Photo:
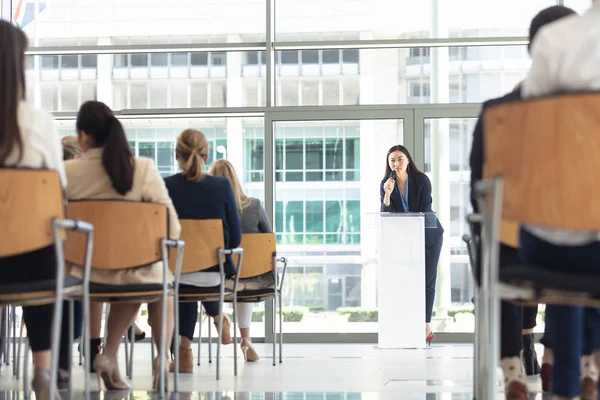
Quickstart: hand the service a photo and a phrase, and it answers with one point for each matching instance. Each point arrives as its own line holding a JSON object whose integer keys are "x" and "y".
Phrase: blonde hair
{"x": 70, "y": 147}
{"x": 192, "y": 147}
{"x": 224, "y": 169}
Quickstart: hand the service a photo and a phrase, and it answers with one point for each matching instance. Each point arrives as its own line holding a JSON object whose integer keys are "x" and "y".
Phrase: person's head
{"x": 192, "y": 154}
{"x": 547, "y": 16}
{"x": 224, "y": 169}
{"x": 97, "y": 127}
{"x": 70, "y": 146}
{"x": 13, "y": 43}
{"x": 398, "y": 159}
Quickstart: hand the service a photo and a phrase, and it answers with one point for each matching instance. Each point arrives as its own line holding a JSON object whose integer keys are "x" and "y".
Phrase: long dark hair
{"x": 13, "y": 43}
{"x": 411, "y": 169}
{"x": 98, "y": 121}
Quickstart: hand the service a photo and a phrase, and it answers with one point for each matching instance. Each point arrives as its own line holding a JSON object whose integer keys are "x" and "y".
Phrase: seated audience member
{"x": 566, "y": 56}
{"x": 28, "y": 139}
{"x": 197, "y": 195}
{"x": 254, "y": 220}
{"x": 514, "y": 319}
{"x": 71, "y": 149}
{"x": 107, "y": 169}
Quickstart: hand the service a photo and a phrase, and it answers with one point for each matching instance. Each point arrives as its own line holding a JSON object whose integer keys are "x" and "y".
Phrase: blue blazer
{"x": 419, "y": 200}
{"x": 211, "y": 198}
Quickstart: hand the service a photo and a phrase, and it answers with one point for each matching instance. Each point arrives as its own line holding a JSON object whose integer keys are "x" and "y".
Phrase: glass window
{"x": 310, "y": 56}
{"x": 179, "y": 59}
{"x": 159, "y": 59}
{"x": 218, "y": 59}
{"x": 139, "y": 60}
{"x": 50, "y": 62}
{"x": 314, "y": 153}
{"x": 251, "y": 58}
{"x": 158, "y": 94}
{"x": 289, "y": 57}
{"x": 314, "y": 216}
{"x": 199, "y": 59}
{"x": 139, "y": 96}
{"x": 331, "y": 56}
{"x": 165, "y": 155}
{"x": 333, "y": 220}
{"x": 69, "y": 96}
{"x": 121, "y": 60}
{"x": 89, "y": 61}
{"x": 405, "y": 19}
{"x": 69, "y": 61}
{"x": 294, "y": 154}
{"x": 294, "y": 221}
{"x": 350, "y": 56}
{"x": 146, "y": 149}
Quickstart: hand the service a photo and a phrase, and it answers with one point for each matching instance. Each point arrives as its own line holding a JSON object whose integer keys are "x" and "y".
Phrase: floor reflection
{"x": 144, "y": 395}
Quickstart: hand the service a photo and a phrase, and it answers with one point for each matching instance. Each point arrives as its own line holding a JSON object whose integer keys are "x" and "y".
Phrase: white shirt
{"x": 566, "y": 57}
{"x": 41, "y": 144}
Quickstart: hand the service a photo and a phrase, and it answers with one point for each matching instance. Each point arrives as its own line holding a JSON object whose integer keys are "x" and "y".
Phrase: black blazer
{"x": 419, "y": 200}
{"x": 211, "y": 198}
{"x": 508, "y": 255}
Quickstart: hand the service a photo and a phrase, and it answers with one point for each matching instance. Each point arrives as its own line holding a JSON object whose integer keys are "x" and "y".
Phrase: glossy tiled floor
{"x": 309, "y": 372}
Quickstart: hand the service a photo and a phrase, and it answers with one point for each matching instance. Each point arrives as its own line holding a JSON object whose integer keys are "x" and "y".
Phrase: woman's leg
{"x": 244, "y": 319}
{"x": 119, "y": 320}
{"x": 188, "y": 316}
{"x": 566, "y": 325}
{"x": 154, "y": 314}
{"x": 530, "y": 362}
{"x": 212, "y": 309}
{"x": 432, "y": 257}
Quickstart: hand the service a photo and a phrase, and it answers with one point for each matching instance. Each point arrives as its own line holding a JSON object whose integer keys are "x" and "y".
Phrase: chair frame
{"x": 165, "y": 292}
{"x": 221, "y": 253}
{"x": 58, "y": 225}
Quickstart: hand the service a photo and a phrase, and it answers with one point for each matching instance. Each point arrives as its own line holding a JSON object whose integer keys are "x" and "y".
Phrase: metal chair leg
{"x": 209, "y": 341}
{"x": 199, "y": 332}
{"x": 26, "y": 370}
{"x": 126, "y": 346}
{"x": 14, "y": 341}
{"x": 235, "y": 341}
{"x": 18, "y": 376}
{"x": 71, "y": 340}
{"x": 274, "y": 327}
{"x": 280, "y": 328}
{"x": 7, "y": 336}
{"x": 132, "y": 344}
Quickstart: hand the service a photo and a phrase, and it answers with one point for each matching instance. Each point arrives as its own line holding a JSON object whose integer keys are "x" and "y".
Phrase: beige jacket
{"x": 87, "y": 180}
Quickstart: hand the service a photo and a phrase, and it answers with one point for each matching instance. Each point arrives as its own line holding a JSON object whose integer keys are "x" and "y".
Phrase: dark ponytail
{"x": 97, "y": 120}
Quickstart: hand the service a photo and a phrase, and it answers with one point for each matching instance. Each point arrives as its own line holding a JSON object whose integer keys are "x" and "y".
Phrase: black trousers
{"x": 432, "y": 257}
{"x": 26, "y": 268}
{"x": 188, "y": 316}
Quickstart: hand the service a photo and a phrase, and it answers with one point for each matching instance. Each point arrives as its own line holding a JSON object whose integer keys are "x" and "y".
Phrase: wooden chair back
{"x": 29, "y": 200}
{"x": 127, "y": 234}
{"x": 259, "y": 249}
{"x": 546, "y": 150}
{"x": 203, "y": 238}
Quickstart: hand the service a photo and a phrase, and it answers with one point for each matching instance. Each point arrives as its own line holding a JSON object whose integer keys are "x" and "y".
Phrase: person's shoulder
{"x": 421, "y": 179}
{"x": 515, "y": 95}
{"x": 35, "y": 120}
{"x": 216, "y": 182}
{"x": 173, "y": 179}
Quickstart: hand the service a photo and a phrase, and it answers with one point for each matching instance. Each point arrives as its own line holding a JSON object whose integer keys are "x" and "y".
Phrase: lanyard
{"x": 404, "y": 201}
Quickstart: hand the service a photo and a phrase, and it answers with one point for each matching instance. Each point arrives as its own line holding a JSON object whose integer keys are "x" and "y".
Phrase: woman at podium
{"x": 406, "y": 189}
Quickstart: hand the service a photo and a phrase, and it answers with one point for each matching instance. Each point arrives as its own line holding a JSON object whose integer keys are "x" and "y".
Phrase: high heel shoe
{"x": 226, "y": 333}
{"x": 430, "y": 338}
{"x": 250, "y": 355}
{"x": 108, "y": 369}
{"x": 95, "y": 348}
{"x": 41, "y": 384}
{"x": 530, "y": 362}
{"x": 156, "y": 369}
{"x": 137, "y": 337}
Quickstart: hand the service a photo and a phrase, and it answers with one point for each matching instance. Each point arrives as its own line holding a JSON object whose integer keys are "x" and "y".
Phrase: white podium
{"x": 400, "y": 253}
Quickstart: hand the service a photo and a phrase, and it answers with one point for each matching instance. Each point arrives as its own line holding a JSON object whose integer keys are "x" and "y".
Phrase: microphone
{"x": 393, "y": 176}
